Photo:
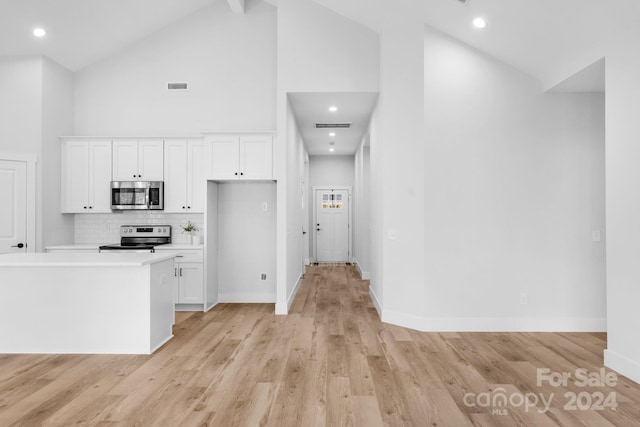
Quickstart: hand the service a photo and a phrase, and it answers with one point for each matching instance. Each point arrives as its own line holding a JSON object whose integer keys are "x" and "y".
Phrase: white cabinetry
{"x": 240, "y": 157}
{"x": 86, "y": 176}
{"x": 138, "y": 160}
{"x": 189, "y": 277}
{"x": 184, "y": 176}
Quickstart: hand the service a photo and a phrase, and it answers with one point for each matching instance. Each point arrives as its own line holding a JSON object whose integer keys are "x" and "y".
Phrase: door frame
{"x": 347, "y": 188}
{"x": 31, "y": 223}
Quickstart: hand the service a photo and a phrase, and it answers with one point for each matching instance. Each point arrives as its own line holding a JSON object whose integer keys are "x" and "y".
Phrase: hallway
{"x": 329, "y": 362}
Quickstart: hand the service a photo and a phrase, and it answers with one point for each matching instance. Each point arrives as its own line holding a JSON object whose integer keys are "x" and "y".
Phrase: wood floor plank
{"x": 331, "y": 362}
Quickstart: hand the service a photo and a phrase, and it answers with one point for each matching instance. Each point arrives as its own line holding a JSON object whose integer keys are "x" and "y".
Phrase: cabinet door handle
{"x": 180, "y": 271}
{"x": 236, "y": 173}
{"x": 175, "y": 272}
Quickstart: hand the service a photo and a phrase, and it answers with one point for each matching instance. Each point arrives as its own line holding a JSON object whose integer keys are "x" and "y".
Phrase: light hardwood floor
{"x": 331, "y": 362}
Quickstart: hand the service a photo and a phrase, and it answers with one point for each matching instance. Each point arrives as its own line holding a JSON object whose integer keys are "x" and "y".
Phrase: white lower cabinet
{"x": 189, "y": 289}
{"x": 189, "y": 278}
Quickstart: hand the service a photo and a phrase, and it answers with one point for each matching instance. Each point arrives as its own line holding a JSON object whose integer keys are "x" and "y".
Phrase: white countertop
{"x": 61, "y": 259}
{"x": 94, "y": 246}
{"x": 179, "y": 247}
{"x": 73, "y": 246}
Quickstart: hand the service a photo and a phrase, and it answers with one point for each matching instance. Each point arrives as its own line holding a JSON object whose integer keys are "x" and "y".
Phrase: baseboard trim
{"x": 189, "y": 307}
{"x": 494, "y": 324}
{"x": 210, "y": 306}
{"x": 281, "y": 308}
{"x": 364, "y": 275}
{"x": 623, "y": 365}
{"x": 247, "y": 298}
{"x": 376, "y": 301}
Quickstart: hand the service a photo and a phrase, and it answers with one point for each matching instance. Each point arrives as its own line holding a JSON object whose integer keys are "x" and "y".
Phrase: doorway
{"x": 14, "y": 209}
{"x": 332, "y": 224}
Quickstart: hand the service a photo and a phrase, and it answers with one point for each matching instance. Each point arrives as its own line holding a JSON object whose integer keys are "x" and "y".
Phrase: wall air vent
{"x": 333, "y": 125}
{"x": 178, "y": 86}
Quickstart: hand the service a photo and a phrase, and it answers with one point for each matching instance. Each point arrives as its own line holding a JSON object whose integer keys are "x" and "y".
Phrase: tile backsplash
{"x": 105, "y": 228}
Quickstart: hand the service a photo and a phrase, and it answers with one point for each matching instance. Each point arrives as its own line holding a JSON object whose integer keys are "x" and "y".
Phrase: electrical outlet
{"x": 523, "y": 298}
{"x": 263, "y": 276}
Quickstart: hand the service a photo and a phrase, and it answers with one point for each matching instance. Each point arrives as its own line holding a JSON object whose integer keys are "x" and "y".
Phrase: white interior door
{"x": 332, "y": 225}
{"x": 13, "y": 209}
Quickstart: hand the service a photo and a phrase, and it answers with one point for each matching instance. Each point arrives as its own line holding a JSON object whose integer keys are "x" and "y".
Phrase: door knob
{"x": 19, "y": 245}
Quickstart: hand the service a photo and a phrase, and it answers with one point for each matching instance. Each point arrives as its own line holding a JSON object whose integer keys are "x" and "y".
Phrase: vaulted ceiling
{"x": 546, "y": 39}
{"x": 549, "y": 40}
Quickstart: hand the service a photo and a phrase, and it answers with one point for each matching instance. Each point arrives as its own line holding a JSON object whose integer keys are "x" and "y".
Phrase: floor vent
{"x": 177, "y": 86}
{"x": 332, "y": 125}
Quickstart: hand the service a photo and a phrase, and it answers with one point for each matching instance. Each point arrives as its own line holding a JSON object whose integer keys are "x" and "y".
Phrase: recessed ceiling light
{"x": 39, "y": 32}
{"x": 332, "y": 149}
{"x": 333, "y": 108}
{"x": 480, "y": 23}
{"x": 332, "y": 134}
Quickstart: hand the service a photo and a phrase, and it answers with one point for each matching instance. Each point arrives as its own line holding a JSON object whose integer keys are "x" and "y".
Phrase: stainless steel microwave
{"x": 137, "y": 195}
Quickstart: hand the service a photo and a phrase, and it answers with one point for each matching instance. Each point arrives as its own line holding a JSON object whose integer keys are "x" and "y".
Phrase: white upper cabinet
{"x": 138, "y": 160}
{"x": 239, "y": 157}
{"x": 256, "y": 157}
{"x": 86, "y": 176}
{"x": 184, "y": 175}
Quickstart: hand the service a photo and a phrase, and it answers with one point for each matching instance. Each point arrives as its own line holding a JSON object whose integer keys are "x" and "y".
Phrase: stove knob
{"x": 125, "y": 231}
{"x": 131, "y": 230}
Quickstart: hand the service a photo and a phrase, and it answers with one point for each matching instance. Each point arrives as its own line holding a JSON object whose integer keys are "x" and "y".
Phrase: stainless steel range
{"x": 140, "y": 238}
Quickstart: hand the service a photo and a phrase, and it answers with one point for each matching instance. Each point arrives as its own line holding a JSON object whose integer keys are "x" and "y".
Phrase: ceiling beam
{"x": 237, "y": 6}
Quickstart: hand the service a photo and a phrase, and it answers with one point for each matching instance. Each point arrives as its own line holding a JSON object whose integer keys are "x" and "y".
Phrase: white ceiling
{"x": 80, "y": 32}
{"x": 312, "y": 108}
{"x": 559, "y": 42}
{"x": 549, "y": 40}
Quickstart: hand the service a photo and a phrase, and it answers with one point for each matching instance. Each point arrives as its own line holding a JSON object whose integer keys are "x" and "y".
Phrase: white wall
{"x": 400, "y": 191}
{"x": 36, "y": 104}
{"x": 331, "y": 171}
{"x": 321, "y": 51}
{"x": 57, "y": 119}
{"x": 246, "y": 242}
{"x": 318, "y": 51}
{"x": 294, "y": 256}
{"x": 362, "y": 208}
{"x": 20, "y": 104}
{"x": 514, "y": 186}
{"x": 229, "y": 61}
{"x": 623, "y": 204}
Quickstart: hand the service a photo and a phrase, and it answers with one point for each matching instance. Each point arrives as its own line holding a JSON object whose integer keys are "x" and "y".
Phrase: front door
{"x": 332, "y": 225}
{"x": 13, "y": 206}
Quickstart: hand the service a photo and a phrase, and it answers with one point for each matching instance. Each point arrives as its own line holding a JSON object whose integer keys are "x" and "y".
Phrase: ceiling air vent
{"x": 464, "y": 2}
{"x": 178, "y": 86}
{"x": 332, "y": 125}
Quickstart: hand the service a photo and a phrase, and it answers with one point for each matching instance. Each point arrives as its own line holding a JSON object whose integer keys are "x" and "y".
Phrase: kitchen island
{"x": 111, "y": 303}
